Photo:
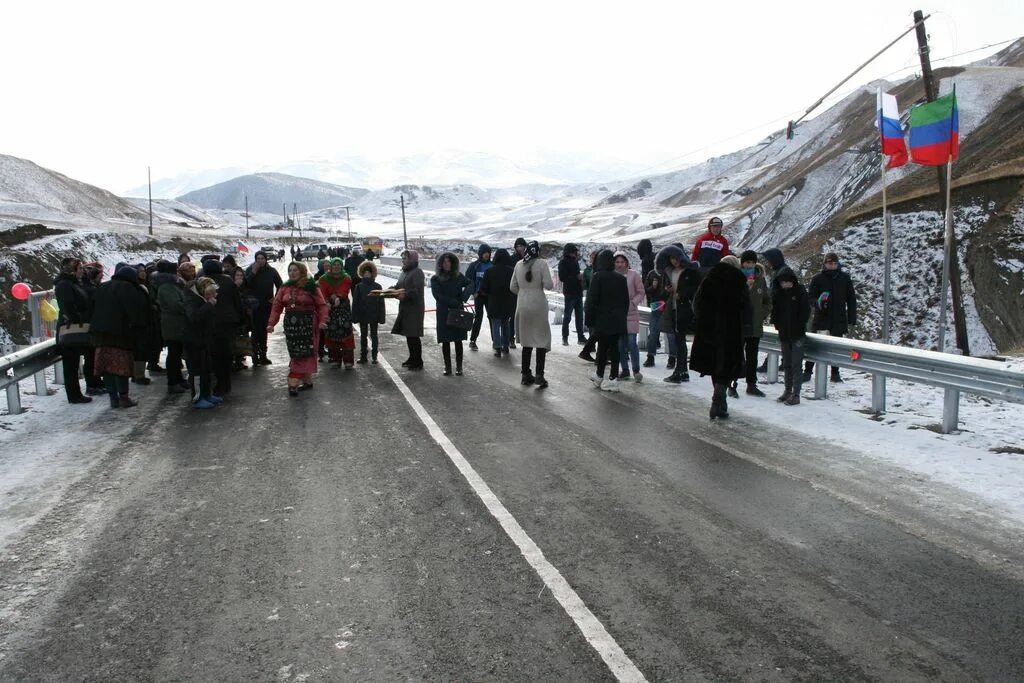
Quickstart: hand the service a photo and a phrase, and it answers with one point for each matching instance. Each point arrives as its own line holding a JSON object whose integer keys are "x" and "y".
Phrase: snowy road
{"x": 330, "y": 537}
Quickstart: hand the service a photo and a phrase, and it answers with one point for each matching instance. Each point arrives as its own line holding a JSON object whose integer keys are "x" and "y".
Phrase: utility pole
{"x": 295, "y": 217}
{"x": 931, "y": 92}
{"x": 284, "y": 217}
{"x": 405, "y": 235}
{"x": 348, "y": 219}
{"x": 149, "y": 182}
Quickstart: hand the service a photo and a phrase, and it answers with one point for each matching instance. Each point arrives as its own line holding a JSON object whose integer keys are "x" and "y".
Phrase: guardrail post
{"x": 878, "y": 393}
{"x": 820, "y": 380}
{"x": 41, "y": 389}
{"x": 58, "y": 372}
{"x": 950, "y": 411}
{"x": 641, "y": 337}
{"x": 559, "y": 313}
{"x": 773, "y": 367}
{"x": 13, "y": 399}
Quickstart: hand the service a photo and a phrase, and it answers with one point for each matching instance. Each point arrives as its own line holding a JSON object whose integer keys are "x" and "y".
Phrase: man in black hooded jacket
{"x": 833, "y": 304}
{"x": 571, "y": 277}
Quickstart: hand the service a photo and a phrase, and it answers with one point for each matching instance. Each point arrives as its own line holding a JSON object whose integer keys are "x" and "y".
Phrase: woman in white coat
{"x": 529, "y": 280}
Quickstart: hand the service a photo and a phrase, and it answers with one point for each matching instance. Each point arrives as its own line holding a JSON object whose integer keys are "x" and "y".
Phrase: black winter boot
{"x": 671, "y": 363}
{"x": 719, "y": 407}
{"x": 836, "y": 379}
{"x": 786, "y": 394}
{"x": 649, "y": 363}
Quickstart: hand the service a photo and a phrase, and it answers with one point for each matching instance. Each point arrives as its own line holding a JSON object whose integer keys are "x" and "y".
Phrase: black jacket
{"x": 200, "y": 318}
{"x": 791, "y": 309}
{"x": 500, "y": 301}
{"x": 366, "y": 308}
{"x": 352, "y": 265}
{"x": 263, "y": 284}
{"x": 569, "y": 274}
{"x": 645, "y": 250}
{"x": 607, "y": 303}
{"x": 119, "y": 315}
{"x": 721, "y": 308}
{"x": 838, "y": 311}
{"x": 72, "y": 300}
{"x": 228, "y": 313}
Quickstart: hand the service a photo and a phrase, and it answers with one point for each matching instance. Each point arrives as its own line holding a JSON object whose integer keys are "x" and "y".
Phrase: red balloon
{"x": 21, "y": 291}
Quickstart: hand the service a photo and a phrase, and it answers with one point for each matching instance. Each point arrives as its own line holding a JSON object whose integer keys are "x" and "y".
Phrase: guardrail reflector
{"x": 854, "y": 355}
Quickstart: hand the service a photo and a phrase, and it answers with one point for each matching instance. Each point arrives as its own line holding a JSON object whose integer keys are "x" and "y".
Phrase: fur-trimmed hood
{"x": 367, "y": 267}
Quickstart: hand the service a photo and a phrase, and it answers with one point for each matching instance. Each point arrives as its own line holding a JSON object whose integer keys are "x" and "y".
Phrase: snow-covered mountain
{"x": 439, "y": 167}
{"x": 267, "y": 192}
{"x": 29, "y": 192}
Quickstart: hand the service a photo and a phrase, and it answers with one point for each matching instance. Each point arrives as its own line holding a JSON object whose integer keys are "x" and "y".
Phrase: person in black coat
{"x": 833, "y": 305}
{"x": 74, "y": 310}
{"x": 353, "y": 261}
{"x": 228, "y": 317}
{"x": 499, "y": 300}
{"x": 264, "y": 281}
{"x": 607, "y": 306}
{"x": 119, "y": 319}
{"x": 645, "y": 250}
{"x": 367, "y": 310}
{"x": 451, "y": 289}
{"x": 571, "y": 277}
{"x": 791, "y": 309}
{"x": 92, "y": 277}
{"x": 200, "y": 326}
{"x": 721, "y": 308}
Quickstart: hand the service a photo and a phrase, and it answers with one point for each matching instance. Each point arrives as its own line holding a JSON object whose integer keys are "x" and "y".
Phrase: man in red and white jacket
{"x": 711, "y": 246}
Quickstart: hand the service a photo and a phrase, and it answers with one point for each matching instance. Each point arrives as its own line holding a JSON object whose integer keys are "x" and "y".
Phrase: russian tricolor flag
{"x": 935, "y": 131}
{"x": 242, "y": 248}
{"x": 890, "y": 129}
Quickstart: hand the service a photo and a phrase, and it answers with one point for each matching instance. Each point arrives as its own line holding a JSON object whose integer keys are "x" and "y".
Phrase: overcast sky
{"x": 100, "y": 90}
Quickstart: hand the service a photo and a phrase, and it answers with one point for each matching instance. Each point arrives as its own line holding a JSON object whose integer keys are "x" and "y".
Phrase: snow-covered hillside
{"x": 29, "y": 192}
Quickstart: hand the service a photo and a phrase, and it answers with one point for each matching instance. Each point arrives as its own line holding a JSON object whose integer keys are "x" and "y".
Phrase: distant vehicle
{"x": 311, "y": 251}
{"x": 272, "y": 253}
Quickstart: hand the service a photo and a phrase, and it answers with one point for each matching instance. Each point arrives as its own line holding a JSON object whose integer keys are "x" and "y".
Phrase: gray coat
{"x": 409, "y": 322}
{"x": 532, "y": 326}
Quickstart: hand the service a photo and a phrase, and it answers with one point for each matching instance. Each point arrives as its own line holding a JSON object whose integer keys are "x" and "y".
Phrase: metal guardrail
{"x": 28, "y": 362}
{"x": 954, "y": 374}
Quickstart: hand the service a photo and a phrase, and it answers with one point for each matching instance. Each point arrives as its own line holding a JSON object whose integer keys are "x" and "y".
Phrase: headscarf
{"x": 332, "y": 277}
{"x": 304, "y": 281}
{"x": 532, "y": 251}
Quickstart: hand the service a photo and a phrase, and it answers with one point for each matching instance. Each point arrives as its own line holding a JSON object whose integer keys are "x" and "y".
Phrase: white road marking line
{"x": 592, "y": 629}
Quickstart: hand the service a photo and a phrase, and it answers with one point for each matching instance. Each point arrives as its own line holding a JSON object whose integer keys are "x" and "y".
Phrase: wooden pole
{"x": 931, "y": 93}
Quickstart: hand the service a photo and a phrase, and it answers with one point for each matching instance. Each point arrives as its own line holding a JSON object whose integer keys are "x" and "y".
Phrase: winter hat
{"x": 774, "y": 257}
{"x": 367, "y": 269}
{"x": 502, "y": 257}
{"x": 731, "y": 260}
{"x": 483, "y": 249}
{"x": 749, "y": 256}
{"x": 623, "y": 255}
{"x": 128, "y": 274}
{"x": 569, "y": 249}
{"x": 519, "y": 241}
{"x": 165, "y": 266}
{"x": 788, "y": 275}
{"x": 212, "y": 267}
{"x": 715, "y": 222}
{"x": 645, "y": 248}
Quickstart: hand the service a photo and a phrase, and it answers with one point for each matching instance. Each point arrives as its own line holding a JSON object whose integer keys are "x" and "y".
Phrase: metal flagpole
{"x": 947, "y": 257}
{"x": 887, "y": 273}
{"x": 405, "y": 235}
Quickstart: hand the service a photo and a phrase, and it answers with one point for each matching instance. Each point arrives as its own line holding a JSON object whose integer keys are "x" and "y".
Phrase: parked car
{"x": 311, "y": 251}
{"x": 273, "y": 254}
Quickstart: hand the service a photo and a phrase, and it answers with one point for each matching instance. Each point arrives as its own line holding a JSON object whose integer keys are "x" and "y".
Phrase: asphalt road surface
{"x": 330, "y": 537}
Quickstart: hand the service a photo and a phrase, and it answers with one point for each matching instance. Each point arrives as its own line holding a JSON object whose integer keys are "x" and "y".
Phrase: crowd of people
{"x": 211, "y": 316}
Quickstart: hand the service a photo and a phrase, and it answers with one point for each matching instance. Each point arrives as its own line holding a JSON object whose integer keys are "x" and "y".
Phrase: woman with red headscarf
{"x": 305, "y": 315}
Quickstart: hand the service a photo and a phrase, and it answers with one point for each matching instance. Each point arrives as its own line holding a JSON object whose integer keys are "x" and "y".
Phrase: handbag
{"x": 460, "y": 319}
{"x": 76, "y": 334}
{"x": 241, "y": 345}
